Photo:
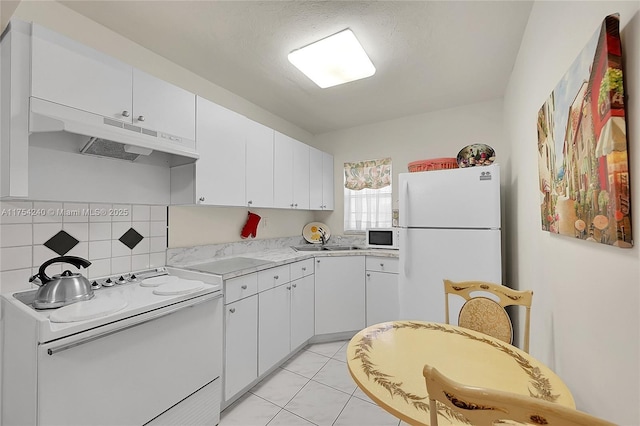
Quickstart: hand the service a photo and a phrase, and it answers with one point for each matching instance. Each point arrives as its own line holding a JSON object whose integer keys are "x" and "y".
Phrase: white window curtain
{"x": 367, "y": 195}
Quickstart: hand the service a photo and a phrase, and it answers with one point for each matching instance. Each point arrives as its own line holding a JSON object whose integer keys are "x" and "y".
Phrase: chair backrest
{"x": 482, "y": 406}
{"x": 473, "y": 312}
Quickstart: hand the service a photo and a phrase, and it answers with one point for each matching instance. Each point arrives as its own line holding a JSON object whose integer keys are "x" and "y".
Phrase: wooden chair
{"x": 486, "y": 315}
{"x": 481, "y": 406}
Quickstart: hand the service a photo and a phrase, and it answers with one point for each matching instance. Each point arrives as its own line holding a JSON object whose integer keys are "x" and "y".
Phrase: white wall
{"x": 585, "y": 315}
{"x": 418, "y": 137}
{"x": 193, "y": 226}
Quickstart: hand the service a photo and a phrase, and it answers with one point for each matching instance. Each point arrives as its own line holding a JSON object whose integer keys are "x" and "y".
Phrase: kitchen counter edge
{"x": 286, "y": 256}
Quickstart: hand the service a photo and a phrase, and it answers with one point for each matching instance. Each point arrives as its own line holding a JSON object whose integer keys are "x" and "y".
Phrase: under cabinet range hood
{"x": 107, "y": 137}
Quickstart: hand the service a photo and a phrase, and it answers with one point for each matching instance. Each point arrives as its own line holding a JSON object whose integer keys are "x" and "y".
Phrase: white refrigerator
{"x": 449, "y": 228}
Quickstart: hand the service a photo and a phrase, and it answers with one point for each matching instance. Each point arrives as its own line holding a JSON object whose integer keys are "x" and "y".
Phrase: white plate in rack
{"x": 156, "y": 281}
{"x": 311, "y": 232}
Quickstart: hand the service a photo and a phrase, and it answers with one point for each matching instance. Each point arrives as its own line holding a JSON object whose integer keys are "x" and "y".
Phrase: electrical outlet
{"x": 264, "y": 222}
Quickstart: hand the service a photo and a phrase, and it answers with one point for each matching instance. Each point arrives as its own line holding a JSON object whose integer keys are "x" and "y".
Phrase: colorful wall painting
{"x": 582, "y": 147}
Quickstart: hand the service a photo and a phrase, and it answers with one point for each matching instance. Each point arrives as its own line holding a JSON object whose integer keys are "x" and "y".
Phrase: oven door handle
{"x": 79, "y": 342}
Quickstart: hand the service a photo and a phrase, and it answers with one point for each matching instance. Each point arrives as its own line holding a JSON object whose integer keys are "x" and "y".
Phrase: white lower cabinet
{"x": 273, "y": 312}
{"x": 273, "y": 326}
{"x": 339, "y": 294}
{"x": 285, "y": 315}
{"x": 382, "y": 290}
{"x": 302, "y": 310}
{"x": 241, "y": 345}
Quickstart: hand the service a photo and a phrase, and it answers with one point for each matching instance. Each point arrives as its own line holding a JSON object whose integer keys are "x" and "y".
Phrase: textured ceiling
{"x": 429, "y": 55}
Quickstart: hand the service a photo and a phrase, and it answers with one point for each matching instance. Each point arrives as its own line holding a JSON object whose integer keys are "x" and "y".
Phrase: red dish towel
{"x": 251, "y": 227}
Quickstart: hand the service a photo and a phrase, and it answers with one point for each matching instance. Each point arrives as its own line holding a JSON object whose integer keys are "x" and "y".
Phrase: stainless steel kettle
{"x": 63, "y": 289}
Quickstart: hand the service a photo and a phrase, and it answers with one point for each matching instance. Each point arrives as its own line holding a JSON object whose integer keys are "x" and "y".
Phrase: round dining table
{"x": 386, "y": 362}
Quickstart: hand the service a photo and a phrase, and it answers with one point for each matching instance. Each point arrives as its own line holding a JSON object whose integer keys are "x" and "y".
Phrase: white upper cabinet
{"x": 300, "y": 175}
{"x": 161, "y": 106}
{"x": 259, "y": 165}
{"x": 327, "y": 181}
{"x": 68, "y": 73}
{"x": 291, "y": 173}
{"x": 320, "y": 180}
{"x": 220, "y": 171}
{"x": 236, "y": 161}
{"x": 282, "y": 171}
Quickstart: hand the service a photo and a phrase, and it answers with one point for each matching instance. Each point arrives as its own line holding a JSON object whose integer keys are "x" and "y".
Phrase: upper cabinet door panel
{"x": 282, "y": 171}
{"x": 327, "y": 181}
{"x": 220, "y": 174}
{"x": 315, "y": 179}
{"x": 300, "y": 175}
{"x": 161, "y": 106}
{"x": 68, "y": 73}
{"x": 259, "y": 141}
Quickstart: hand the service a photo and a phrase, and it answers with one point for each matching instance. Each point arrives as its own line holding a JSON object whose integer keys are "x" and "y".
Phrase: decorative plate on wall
{"x": 312, "y": 232}
{"x": 477, "y": 154}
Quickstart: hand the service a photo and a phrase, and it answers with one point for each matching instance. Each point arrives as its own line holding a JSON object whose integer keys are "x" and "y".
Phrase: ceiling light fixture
{"x": 334, "y": 60}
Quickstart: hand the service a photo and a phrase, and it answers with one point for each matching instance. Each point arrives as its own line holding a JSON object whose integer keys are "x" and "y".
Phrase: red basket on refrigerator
{"x": 433, "y": 164}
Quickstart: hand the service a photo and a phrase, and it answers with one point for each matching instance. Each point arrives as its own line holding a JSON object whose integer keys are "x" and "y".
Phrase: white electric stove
{"x": 153, "y": 337}
{"x": 116, "y": 298}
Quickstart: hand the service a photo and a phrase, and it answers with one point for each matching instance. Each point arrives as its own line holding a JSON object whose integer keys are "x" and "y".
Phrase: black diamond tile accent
{"x": 131, "y": 238}
{"x": 61, "y": 243}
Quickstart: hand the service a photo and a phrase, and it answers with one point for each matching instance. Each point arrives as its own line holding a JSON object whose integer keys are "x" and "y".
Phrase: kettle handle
{"x": 78, "y": 262}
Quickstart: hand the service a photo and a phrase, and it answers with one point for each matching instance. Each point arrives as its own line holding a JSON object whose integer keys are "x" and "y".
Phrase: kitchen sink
{"x": 308, "y": 248}
{"x": 339, "y": 248}
{"x": 323, "y": 248}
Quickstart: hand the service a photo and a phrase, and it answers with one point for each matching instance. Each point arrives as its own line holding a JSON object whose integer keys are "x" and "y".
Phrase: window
{"x": 367, "y": 195}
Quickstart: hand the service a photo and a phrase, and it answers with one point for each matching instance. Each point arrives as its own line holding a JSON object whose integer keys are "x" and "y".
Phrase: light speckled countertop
{"x": 283, "y": 256}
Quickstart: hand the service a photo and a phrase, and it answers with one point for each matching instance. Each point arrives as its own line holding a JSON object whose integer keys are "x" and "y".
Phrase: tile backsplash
{"x": 116, "y": 238}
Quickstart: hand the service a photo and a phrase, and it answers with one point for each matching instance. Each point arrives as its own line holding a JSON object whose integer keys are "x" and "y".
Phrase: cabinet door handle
{"x": 288, "y": 287}
{"x": 232, "y": 310}
{"x": 382, "y": 265}
{"x": 249, "y": 202}
{"x": 201, "y": 199}
{"x": 318, "y": 260}
{"x": 290, "y": 205}
{"x": 368, "y": 275}
{"x": 125, "y": 113}
{"x": 141, "y": 118}
{"x": 304, "y": 269}
{"x": 295, "y": 205}
{"x": 295, "y": 285}
{"x": 275, "y": 277}
{"x": 244, "y": 286}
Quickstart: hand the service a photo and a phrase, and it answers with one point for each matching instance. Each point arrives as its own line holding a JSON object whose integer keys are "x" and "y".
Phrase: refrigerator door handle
{"x": 407, "y": 269}
{"x": 404, "y": 208}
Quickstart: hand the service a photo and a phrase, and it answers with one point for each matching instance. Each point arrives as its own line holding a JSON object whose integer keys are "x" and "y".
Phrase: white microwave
{"x": 386, "y": 238}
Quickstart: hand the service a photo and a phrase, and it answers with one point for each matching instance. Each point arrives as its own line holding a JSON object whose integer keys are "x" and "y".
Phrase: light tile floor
{"x": 312, "y": 388}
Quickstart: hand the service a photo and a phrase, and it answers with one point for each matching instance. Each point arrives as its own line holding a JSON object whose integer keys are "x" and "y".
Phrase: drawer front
{"x": 273, "y": 277}
{"x": 301, "y": 269}
{"x": 382, "y": 264}
{"x": 240, "y": 287}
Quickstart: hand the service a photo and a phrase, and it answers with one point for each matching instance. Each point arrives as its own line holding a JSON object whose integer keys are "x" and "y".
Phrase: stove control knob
{"x": 95, "y": 285}
{"x": 108, "y": 283}
{"x": 122, "y": 280}
{"x": 133, "y": 277}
